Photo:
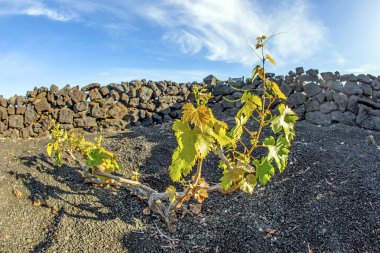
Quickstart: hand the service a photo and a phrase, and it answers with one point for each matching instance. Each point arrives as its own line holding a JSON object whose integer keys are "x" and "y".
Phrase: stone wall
{"x": 323, "y": 99}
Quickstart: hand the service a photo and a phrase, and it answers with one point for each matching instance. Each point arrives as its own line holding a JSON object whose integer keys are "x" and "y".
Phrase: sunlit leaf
{"x": 284, "y": 121}
{"x": 278, "y": 151}
{"x": 199, "y": 116}
{"x": 49, "y": 149}
{"x": 270, "y": 59}
{"x": 248, "y": 184}
{"x": 264, "y": 170}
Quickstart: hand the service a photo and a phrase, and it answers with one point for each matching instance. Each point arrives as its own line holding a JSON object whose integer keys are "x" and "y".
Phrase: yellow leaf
{"x": 270, "y": 59}
{"x": 201, "y": 195}
{"x": 49, "y": 149}
{"x": 277, "y": 91}
{"x": 199, "y": 116}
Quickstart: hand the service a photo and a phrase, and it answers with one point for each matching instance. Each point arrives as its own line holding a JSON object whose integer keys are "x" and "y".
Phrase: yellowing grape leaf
{"x": 270, "y": 59}
{"x": 172, "y": 193}
{"x": 201, "y": 195}
{"x": 278, "y": 151}
{"x": 264, "y": 170}
{"x": 276, "y": 90}
{"x": 231, "y": 176}
{"x": 199, "y": 116}
{"x": 285, "y": 121}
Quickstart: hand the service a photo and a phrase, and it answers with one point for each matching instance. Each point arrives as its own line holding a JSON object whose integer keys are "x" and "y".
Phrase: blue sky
{"x": 83, "y": 41}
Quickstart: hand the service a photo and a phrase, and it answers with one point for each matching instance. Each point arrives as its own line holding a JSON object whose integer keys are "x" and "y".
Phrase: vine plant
{"x": 199, "y": 133}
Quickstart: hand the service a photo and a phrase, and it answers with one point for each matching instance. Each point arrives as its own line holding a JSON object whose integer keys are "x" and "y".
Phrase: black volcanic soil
{"x": 328, "y": 200}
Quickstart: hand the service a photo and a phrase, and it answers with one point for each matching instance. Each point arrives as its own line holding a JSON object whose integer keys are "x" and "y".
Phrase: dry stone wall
{"x": 322, "y": 99}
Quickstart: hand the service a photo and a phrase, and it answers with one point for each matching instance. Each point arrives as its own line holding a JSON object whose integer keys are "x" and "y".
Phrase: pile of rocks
{"x": 322, "y": 99}
{"x": 93, "y": 108}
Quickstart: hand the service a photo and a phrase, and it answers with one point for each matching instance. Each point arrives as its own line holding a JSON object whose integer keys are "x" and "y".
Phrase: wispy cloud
{"x": 33, "y": 8}
{"x": 222, "y": 27}
{"x": 364, "y": 69}
{"x": 217, "y": 28}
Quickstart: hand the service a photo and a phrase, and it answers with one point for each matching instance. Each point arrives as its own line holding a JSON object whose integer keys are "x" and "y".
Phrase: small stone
{"x": 312, "y": 89}
{"x": 352, "y": 104}
{"x": 66, "y": 116}
{"x": 3, "y": 114}
{"x": 91, "y": 86}
{"x": 313, "y": 72}
{"x": 307, "y": 78}
{"x": 296, "y": 99}
{"x": 146, "y": 93}
{"x": 312, "y": 105}
{"x": 54, "y": 88}
{"x": 367, "y": 89}
{"x": 346, "y": 118}
{"x": 341, "y": 100}
{"x": 172, "y": 90}
{"x": 41, "y": 105}
{"x": 118, "y": 111}
{"x": 98, "y": 112}
{"x": 364, "y": 79}
{"x": 81, "y": 106}
{"x": 286, "y": 89}
{"x": 299, "y": 71}
{"x": 348, "y": 77}
{"x": 327, "y": 76}
{"x": 334, "y": 85}
{"x": 11, "y": 110}
{"x": 16, "y": 121}
{"x": 328, "y": 107}
{"x": 352, "y": 88}
{"x": 368, "y": 118}
{"x": 94, "y": 95}
{"x": 30, "y": 115}
{"x": 221, "y": 90}
{"x": 321, "y": 97}
{"x": 3, "y": 102}
{"x": 318, "y": 118}
{"x": 85, "y": 122}
{"x": 375, "y": 84}
{"x": 20, "y": 110}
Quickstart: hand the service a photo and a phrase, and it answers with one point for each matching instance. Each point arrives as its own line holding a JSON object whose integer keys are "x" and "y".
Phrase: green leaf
{"x": 285, "y": 121}
{"x": 264, "y": 170}
{"x": 203, "y": 144}
{"x": 278, "y": 151}
{"x": 185, "y": 155}
{"x": 96, "y": 156}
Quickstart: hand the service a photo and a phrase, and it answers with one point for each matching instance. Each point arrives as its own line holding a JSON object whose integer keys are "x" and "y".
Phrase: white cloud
{"x": 33, "y": 8}
{"x": 364, "y": 69}
{"x": 222, "y": 27}
{"x": 217, "y": 28}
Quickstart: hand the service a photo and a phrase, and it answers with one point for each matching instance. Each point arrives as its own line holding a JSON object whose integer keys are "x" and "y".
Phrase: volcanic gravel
{"x": 327, "y": 200}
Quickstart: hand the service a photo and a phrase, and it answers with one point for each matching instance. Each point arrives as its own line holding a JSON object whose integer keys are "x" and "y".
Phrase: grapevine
{"x": 199, "y": 133}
